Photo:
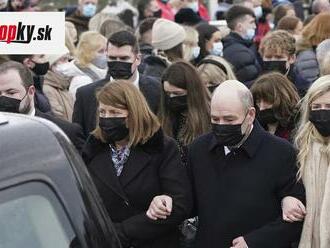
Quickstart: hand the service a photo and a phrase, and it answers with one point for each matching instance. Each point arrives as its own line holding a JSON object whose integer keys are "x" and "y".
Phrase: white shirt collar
{"x": 227, "y": 150}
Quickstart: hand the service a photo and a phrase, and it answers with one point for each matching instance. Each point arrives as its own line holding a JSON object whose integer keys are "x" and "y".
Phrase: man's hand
{"x": 293, "y": 209}
{"x": 239, "y": 243}
{"x": 160, "y": 207}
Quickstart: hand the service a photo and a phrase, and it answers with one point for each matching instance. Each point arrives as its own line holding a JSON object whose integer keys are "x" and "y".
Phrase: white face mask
{"x": 250, "y": 33}
{"x": 193, "y": 6}
{"x": 63, "y": 68}
{"x": 217, "y": 49}
{"x": 196, "y": 52}
{"x": 258, "y": 12}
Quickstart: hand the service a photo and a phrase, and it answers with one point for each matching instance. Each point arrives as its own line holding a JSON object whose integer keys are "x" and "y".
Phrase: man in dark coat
{"x": 124, "y": 59}
{"x": 81, "y": 16}
{"x": 239, "y": 49}
{"x": 17, "y": 93}
{"x": 240, "y": 176}
{"x": 38, "y": 65}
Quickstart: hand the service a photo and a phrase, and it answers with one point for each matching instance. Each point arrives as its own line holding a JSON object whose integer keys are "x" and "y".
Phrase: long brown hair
{"x": 315, "y": 32}
{"x": 142, "y": 123}
{"x": 183, "y": 75}
{"x": 276, "y": 89}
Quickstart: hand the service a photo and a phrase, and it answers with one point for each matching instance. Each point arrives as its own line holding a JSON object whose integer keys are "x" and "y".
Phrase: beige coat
{"x": 56, "y": 88}
{"x": 316, "y": 178}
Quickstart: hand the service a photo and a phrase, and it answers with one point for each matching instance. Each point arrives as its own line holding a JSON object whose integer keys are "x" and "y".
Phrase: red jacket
{"x": 167, "y": 11}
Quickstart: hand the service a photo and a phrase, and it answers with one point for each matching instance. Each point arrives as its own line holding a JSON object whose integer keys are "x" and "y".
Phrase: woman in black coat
{"x": 131, "y": 161}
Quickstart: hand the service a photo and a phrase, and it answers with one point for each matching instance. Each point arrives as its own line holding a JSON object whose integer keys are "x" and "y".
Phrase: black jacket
{"x": 239, "y": 194}
{"x": 152, "y": 169}
{"x": 72, "y": 130}
{"x": 243, "y": 55}
{"x": 84, "y": 112}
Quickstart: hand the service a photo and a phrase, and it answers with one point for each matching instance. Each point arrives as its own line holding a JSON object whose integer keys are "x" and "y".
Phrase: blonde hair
{"x": 315, "y": 32}
{"x": 213, "y": 73}
{"x": 307, "y": 133}
{"x": 189, "y": 43}
{"x": 70, "y": 37}
{"x": 278, "y": 42}
{"x": 142, "y": 123}
{"x": 90, "y": 42}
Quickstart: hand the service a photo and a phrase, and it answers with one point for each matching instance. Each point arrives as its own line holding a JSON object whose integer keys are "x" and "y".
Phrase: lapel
{"x": 103, "y": 168}
{"x": 138, "y": 159}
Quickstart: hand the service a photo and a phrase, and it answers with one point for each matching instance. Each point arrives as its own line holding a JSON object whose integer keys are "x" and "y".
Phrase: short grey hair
{"x": 322, "y": 51}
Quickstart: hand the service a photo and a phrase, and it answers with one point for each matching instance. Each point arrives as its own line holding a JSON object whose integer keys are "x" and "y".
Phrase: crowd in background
{"x": 182, "y": 71}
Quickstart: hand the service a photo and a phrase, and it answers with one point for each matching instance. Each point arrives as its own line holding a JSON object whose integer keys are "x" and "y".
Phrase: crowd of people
{"x": 194, "y": 135}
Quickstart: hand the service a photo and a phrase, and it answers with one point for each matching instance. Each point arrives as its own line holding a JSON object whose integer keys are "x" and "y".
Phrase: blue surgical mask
{"x": 196, "y": 52}
{"x": 258, "y": 12}
{"x": 217, "y": 49}
{"x": 89, "y": 10}
{"x": 250, "y": 33}
{"x": 194, "y": 6}
{"x": 100, "y": 61}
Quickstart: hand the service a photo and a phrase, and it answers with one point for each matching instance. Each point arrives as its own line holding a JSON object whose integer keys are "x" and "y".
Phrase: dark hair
{"x": 125, "y": 38}
{"x": 276, "y": 89}
{"x": 186, "y": 16}
{"x": 141, "y": 6}
{"x": 23, "y": 71}
{"x": 183, "y": 75}
{"x": 280, "y": 11}
{"x": 146, "y": 25}
{"x": 205, "y": 32}
{"x": 20, "y": 57}
{"x": 235, "y": 14}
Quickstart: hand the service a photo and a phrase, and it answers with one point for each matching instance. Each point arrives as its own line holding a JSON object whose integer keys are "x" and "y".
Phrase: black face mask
{"x": 41, "y": 69}
{"x": 266, "y": 116}
{"x": 276, "y": 65}
{"x": 157, "y": 13}
{"x": 212, "y": 88}
{"x": 228, "y": 135}
{"x": 114, "y": 128}
{"x": 176, "y": 104}
{"x": 120, "y": 70}
{"x": 321, "y": 121}
{"x": 11, "y": 105}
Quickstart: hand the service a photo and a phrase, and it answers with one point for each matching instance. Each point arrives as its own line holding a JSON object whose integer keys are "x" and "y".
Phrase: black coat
{"x": 240, "y": 194}
{"x": 243, "y": 55}
{"x": 152, "y": 169}
{"x": 72, "y": 130}
{"x": 84, "y": 112}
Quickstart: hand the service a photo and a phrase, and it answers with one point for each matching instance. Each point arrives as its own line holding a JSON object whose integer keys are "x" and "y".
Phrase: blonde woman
{"x": 214, "y": 70}
{"x": 71, "y": 38}
{"x": 312, "y": 140}
{"x": 90, "y": 63}
{"x": 191, "y": 49}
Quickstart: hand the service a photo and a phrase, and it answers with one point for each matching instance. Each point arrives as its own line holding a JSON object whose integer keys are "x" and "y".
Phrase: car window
{"x": 32, "y": 216}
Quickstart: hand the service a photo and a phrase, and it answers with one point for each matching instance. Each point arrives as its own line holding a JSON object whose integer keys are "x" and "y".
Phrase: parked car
{"x": 47, "y": 198}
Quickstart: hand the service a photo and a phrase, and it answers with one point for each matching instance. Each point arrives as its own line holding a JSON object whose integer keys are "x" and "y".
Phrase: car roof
{"x": 29, "y": 139}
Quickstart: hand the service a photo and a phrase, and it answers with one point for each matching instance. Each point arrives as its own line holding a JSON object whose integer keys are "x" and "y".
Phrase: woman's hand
{"x": 160, "y": 207}
{"x": 293, "y": 209}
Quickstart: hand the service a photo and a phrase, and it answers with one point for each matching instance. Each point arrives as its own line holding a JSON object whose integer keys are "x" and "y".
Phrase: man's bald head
{"x": 233, "y": 91}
